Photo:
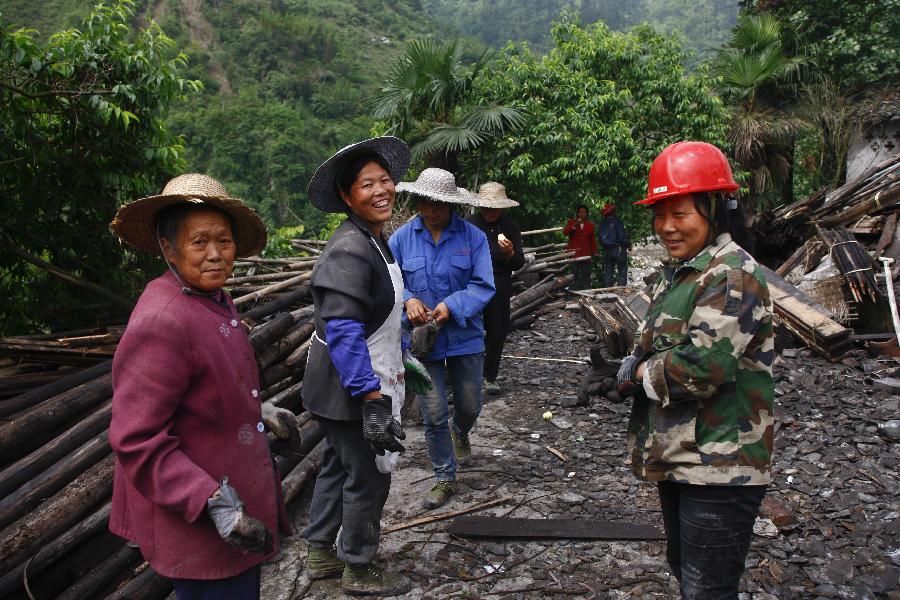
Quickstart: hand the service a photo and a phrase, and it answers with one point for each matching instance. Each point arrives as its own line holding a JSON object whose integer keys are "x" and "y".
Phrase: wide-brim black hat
{"x": 323, "y": 188}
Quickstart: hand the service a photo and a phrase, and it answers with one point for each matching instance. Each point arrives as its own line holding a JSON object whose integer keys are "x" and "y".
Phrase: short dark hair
{"x": 353, "y": 164}
{"x": 724, "y": 219}
{"x": 170, "y": 219}
{"x": 580, "y": 206}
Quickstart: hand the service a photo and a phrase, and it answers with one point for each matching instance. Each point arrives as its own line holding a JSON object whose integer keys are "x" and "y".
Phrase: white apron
{"x": 387, "y": 357}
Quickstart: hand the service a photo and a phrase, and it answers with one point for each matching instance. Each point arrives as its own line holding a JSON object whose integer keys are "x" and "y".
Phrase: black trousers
{"x": 708, "y": 532}
{"x": 615, "y": 266}
{"x": 496, "y": 326}
{"x": 349, "y": 496}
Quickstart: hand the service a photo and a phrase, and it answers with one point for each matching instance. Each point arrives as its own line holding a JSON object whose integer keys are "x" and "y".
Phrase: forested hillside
{"x": 284, "y": 82}
{"x": 704, "y": 24}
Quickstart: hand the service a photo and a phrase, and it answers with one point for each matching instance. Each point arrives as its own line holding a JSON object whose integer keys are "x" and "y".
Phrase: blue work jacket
{"x": 456, "y": 271}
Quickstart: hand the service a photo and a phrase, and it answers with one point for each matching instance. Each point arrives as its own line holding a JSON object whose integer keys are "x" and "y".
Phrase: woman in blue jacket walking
{"x": 447, "y": 278}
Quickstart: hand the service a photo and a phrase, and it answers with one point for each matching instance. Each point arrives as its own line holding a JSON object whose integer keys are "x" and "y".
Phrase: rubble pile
{"x": 830, "y": 523}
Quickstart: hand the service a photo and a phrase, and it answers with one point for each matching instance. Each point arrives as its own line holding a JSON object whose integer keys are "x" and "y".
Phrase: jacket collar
{"x": 702, "y": 260}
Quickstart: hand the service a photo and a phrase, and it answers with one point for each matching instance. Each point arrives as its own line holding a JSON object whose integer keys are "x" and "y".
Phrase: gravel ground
{"x": 833, "y": 499}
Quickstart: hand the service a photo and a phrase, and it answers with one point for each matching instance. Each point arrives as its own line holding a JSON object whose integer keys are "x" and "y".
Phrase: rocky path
{"x": 833, "y": 503}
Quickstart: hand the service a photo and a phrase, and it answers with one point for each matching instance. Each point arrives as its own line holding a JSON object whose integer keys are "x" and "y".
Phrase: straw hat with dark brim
{"x": 438, "y": 185}
{"x": 323, "y": 187}
{"x": 493, "y": 195}
{"x": 135, "y": 222}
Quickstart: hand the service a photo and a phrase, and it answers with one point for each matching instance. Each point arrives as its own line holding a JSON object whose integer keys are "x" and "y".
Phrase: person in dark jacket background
{"x": 505, "y": 240}
{"x": 582, "y": 240}
{"x": 615, "y": 242}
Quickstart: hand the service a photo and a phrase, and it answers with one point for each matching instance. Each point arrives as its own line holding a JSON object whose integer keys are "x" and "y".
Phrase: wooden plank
{"x": 582, "y": 529}
{"x": 446, "y": 515}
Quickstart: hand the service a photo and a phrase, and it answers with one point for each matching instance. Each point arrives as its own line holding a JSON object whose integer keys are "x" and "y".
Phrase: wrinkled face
{"x": 436, "y": 215}
{"x": 681, "y": 229}
{"x": 204, "y": 249}
{"x": 372, "y": 195}
{"x": 582, "y": 214}
{"x": 491, "y": 214}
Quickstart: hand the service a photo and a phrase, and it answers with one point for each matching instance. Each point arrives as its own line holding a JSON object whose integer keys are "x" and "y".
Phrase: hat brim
{"x": 462, "y": 195}
{"x": 496, "y": 203}
{"x": 323, "y": 191}
{"x": 135, "y": 222}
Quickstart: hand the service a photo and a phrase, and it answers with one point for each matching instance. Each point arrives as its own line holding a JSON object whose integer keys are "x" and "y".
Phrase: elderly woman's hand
{"x": 417, "y": 312}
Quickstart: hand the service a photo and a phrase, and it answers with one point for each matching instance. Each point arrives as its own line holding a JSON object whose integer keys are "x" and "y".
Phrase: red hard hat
{"x": 608, "y": 210}
{"x": 688, "y": 167}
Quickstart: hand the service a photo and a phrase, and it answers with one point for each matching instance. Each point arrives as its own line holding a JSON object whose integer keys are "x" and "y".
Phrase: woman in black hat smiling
{"x": 354, "y": 380}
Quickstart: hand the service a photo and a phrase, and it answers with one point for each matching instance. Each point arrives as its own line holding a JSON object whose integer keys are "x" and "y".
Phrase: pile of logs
{"x": 850, "y": 227}
{"x": 613, "y": 321}
{"x": 56, "y": 464}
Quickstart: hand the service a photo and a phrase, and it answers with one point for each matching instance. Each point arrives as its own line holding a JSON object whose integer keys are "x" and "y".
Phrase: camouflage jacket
{"x": 707, "y": 417}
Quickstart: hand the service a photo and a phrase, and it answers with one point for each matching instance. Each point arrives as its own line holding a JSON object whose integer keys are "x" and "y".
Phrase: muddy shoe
{"x": 369, "y": 580}
{"x": 440, "y": 493}
{"x": 491, "y": 388}
{"x": 462, "y": 449}
{"x": 322, "y": 563}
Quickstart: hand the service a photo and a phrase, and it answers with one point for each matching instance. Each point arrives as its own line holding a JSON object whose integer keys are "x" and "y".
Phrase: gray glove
{"x": 625, "y": 376}
{"x": 380, "y": 428}
{"x": 227, "y": 512}
{"x": 422, "y": 338}
{"x": 284, "y": 424}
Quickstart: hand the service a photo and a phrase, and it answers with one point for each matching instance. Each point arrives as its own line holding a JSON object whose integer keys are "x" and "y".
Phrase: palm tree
{"x": 760, "y": 81}
{"x": 427, "y": 100}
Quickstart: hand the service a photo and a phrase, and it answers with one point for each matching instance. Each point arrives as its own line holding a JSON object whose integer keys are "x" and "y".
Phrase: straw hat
{"x": 493, "y": 195}
{"x": 323, "y": 188}
{"x": 439, "y": 185}
{"x": 135, "y": 222}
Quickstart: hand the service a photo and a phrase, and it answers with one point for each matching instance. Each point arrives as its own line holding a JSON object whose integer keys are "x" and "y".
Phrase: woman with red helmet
{"x": 702, "y": 422}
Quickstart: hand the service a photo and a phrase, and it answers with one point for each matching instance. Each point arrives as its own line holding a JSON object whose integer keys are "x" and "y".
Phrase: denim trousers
{"x": 465, "y": 376}
{"x": 243, "y": 586}
{"x": 349, "y": 495}
{"x": 708, "y": 532}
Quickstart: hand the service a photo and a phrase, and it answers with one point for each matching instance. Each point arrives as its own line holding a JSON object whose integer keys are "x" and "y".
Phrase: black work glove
{"x": 380, "y": 428}
{"x": 284, "y": 424}
{"x": 422, "y": 338}
{"x": 625, "y": 377}
{"x": 245, "y": 532}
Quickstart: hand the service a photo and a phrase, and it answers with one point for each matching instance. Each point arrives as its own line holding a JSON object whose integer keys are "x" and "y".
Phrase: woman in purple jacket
{"x": 194, "y": 486}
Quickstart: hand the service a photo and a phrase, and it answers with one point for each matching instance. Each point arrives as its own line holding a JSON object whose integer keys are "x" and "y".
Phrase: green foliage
{"x": 855, "y": 43}
{"x": 705, "y": 23}
{"x": 760, "y": 75}
{"x": 279, "y": 242}
{"x": 332, "y": 221}
{"x": 599, "y": 107}
{"x": 426, "y": 100}
{"x": 82, "y": 122}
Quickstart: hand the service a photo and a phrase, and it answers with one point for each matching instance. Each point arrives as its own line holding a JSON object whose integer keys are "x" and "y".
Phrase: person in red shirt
{"x": 583, "y": 241}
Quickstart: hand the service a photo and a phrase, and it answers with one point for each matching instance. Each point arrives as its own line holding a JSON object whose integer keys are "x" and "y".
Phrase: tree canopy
{"x": 599, "y": 108}
{"x": 82, "y": 121}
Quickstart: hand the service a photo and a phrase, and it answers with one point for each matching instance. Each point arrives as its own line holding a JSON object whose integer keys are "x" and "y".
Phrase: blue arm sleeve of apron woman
{"x": 350, "y": 355}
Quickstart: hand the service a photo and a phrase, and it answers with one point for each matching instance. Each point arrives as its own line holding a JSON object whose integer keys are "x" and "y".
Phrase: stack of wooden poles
{"x": 56, "y": 466}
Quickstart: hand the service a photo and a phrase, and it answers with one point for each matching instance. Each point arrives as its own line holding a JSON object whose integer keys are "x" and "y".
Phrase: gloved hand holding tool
{"x": 417, "y": 379}
{"x": 227, "y": 512}
{"x": 284, "y": 424}
{"x": 380, "y": 428}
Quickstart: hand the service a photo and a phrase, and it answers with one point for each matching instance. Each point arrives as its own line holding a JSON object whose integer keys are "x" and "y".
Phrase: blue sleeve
{"x": 471, "y": 300}
{"x": 623, "y": 235}
{"x": 350, "y": 354}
